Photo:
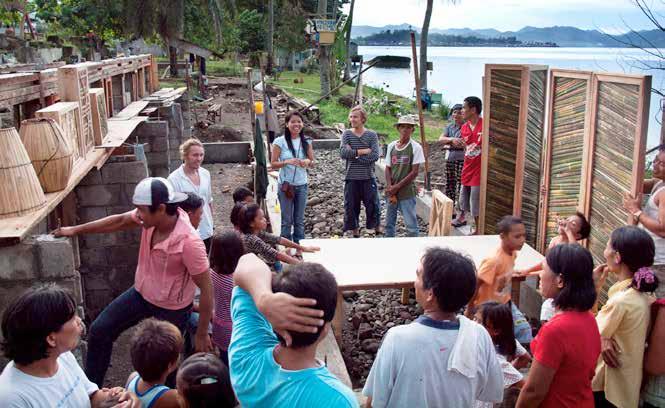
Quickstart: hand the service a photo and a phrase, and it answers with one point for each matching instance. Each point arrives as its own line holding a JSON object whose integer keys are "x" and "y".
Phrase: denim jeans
{"x": 355, "y": 192}
{"x": 293, "y": 213}
{"x": 521, "y": 325}
{"x": 408, "y": 209}
{"x": 124, "y": 312}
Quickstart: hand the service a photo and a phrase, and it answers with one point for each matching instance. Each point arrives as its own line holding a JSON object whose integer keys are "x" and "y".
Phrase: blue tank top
{"x": 149, "y": 397}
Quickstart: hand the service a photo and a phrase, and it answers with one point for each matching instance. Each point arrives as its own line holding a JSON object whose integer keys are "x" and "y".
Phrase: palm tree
{"x": 349, "y": 21}
{"x": 423, "y": 46}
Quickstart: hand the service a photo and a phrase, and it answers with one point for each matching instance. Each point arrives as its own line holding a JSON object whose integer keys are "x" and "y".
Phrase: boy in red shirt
{"x": 471, "y": 133}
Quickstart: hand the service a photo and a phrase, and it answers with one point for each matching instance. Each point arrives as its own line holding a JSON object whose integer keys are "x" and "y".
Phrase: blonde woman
{"x": 191, "y": 177}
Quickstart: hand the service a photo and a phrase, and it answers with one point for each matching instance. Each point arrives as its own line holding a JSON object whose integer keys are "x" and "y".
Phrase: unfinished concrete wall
{"x": 172, "y": 114}
{"x": 153, "y": 134}
{"x": 108, "y": 261}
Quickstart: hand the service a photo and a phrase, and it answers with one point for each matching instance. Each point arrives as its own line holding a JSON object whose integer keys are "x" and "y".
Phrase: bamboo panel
{"x": 532, "y": 155}
{"x": 99, "y": 118}
{"x": 566, "y": 150}
{"x": 613, "y": 152}
{"x": 504, "y": 94}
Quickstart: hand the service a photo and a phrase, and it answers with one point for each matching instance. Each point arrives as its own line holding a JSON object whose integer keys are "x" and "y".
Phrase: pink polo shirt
{"x": 164, "y": 273}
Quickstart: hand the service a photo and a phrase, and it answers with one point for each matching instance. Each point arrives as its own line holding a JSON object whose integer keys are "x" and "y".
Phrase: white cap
{"x": 156, "y": 190}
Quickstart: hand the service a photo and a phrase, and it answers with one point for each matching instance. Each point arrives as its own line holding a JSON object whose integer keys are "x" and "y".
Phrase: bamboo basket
{"x": 20, "y": 192}
{"x": 50, "y": 152}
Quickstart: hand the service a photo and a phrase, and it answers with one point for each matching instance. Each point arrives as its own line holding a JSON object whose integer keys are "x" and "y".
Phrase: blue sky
{"x": 508, "y": 14}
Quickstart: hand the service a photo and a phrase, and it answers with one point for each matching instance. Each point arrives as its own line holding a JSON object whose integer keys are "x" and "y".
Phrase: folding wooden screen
{"x": 618, "y": 132}
{"x": 565, "y": 150}
{"x": 514, "y": 99}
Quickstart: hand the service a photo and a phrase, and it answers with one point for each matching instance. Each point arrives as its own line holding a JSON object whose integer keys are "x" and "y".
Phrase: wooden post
{"x": 252, "y": 114}
{"x": 662, "y": 122}
{"x": 358, "y": 96}
{"x": 338, "y": 319}
{"x": 421, "y": 120}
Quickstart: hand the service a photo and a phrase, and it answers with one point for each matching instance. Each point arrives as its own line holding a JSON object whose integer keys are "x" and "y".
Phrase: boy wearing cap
{"x": 451, "y": 137}
{"x": 172, "y": 263}
{"x": 403, "y": 159}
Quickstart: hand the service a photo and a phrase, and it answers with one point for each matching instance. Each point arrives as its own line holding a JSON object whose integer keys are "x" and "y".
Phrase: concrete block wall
{"x": 172, "y": 114}
{"x": 154, "y": 135}
{"x": 108, "y": 261}
{"x": 38, "y": 260}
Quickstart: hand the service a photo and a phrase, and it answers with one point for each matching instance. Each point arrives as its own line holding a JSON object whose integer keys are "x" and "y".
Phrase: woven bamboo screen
{"x": 616, "y": 156}
{"x": 512, "y": 142}
{"x": 570, "y": 94}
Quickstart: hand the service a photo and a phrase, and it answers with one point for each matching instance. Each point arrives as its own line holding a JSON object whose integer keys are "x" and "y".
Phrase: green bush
{"x": 443, "y": 110}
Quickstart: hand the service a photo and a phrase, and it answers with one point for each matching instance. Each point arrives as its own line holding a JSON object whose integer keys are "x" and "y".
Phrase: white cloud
{"x": 504, "y": 14}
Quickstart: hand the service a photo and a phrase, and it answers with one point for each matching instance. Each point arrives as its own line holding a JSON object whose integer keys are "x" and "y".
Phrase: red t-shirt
{"x": 570, "y": 344}
{"x": 473, "y": 139}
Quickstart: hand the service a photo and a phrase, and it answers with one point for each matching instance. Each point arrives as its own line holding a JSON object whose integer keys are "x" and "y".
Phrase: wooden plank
{"x": 19, "y": 78}
{"x": 131, "y": 110}
{"x": 120, "y": 130}
{"x": 328, "y": 351}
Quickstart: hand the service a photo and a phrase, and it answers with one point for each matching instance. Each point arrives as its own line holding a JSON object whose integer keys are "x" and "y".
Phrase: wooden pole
{"x": 358, "y": 95}
{"x": 421, "y": 120}
{"x": 662, "y": 122}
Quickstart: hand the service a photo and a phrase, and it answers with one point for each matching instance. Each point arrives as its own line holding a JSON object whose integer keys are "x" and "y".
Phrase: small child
{"x": 243, "y": 195}
{"x": 226, "y": 250}
{"x": 203, "y": 381}
{"x": 495, "y": 275}
{"x": 252, "y": 224}
{"x": 193, "y": 206}
{"x": 498, "y": 320}
{"x": 155, "y": 352}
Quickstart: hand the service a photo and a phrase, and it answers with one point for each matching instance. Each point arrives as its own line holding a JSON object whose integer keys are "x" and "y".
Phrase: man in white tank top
{"x": 652, "y": 216}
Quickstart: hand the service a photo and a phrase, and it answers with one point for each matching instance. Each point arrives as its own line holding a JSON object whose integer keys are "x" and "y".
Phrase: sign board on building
{"x": 325, "y": 25}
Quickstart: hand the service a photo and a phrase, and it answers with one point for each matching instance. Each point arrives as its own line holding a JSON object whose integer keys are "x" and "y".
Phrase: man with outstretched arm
{"x": 172, "y": 263}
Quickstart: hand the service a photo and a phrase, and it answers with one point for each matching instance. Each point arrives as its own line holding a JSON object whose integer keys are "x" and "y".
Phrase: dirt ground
{"x": 225, "y": 178}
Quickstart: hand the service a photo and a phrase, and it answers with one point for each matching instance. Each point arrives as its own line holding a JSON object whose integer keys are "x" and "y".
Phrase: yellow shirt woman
{"x": 624, "y": 318}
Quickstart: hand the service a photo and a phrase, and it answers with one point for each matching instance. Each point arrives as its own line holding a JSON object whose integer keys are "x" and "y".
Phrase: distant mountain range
{"x": 561, "y": 35}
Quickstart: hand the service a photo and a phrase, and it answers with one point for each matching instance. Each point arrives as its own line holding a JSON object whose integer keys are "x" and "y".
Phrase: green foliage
{"x": 200, "y": 24}
{"x": 226, "y": 67}
{"x": 252, "y": 31}
{"x": 102, "y": 18}
{"x": 381, "y": 117}
{"x": 443, "y": 110}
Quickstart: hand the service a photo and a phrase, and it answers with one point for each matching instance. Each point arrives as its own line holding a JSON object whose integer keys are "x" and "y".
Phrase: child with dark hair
{"x": 193, "y": 206}
{"x": 566, "y": 348}
{"x": 276, "y": 332}
{"x": 495, "y": 275}
{"x": 40, "y": 328}
{"x": 155, "y": 351}
{"x": 203, "y": 382}
{"x": 571, "y": 230}
{"x": 624, "y": 319}
{"x": 498, "y": 320}
{"x": 243, "y": 195}
{"x": 225, "y": 252}
{"x": 442, "y": 359}
{"x": 252, "y": 224}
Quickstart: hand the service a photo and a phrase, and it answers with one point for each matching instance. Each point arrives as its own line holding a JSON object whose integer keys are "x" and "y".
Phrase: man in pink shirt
{"x": 172, "y": 263}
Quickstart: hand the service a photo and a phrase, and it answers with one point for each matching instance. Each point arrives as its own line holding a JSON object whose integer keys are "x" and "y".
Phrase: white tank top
{"x": 651, "y": 211}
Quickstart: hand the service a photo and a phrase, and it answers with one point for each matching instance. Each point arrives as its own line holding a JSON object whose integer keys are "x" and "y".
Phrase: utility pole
{"x": 324, "y": 53}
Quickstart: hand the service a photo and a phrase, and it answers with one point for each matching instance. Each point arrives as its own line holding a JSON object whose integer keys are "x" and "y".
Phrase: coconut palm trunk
{"x": 423, "y": 46}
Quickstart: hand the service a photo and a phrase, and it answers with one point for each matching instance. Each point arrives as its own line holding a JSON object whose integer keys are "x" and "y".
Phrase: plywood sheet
{"x": 372, "y": 263}
{"x": 99, "y": 118}
{"x": 67, "y": 115}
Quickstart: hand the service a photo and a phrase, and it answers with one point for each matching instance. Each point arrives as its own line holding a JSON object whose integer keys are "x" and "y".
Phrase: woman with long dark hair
{"x": 567, "y": 347}
{"x": 293, "y": 154}
{"x": 624, "y": 319}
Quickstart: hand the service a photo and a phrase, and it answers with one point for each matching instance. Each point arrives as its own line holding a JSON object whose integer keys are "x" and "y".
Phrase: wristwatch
{"x": 636, "y": 215}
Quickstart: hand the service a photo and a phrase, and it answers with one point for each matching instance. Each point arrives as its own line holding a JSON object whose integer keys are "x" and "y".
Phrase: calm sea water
{"x": 458, "y": 71}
